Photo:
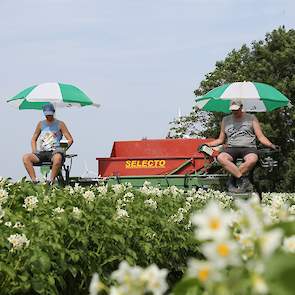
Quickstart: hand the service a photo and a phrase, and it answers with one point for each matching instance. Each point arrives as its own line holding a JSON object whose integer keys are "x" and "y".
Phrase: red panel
{"x": 153, "y": 157}
{"x": 157, "y": 148}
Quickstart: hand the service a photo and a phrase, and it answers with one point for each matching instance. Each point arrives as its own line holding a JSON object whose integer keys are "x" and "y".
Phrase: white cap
{"x": 235, "y": 105}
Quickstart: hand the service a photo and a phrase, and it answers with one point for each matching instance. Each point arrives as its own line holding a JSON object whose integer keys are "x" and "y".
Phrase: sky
{"x": 140, "y": 59}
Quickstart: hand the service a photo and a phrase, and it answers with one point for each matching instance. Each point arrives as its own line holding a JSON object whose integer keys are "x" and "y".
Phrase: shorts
{"x": 46, "y": 156}
{"x": 240, "y": 152}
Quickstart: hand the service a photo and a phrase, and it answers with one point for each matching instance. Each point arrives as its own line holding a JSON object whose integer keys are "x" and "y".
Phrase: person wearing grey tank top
{"x": 238, "y": 134}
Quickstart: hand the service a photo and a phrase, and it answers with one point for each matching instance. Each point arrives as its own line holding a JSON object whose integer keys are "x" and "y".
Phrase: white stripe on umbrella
{"x": 251, "y": 105}
{"x": 200, "y": 104}
{"x": 240, "y": 90}
{"x": 45, "y": 91}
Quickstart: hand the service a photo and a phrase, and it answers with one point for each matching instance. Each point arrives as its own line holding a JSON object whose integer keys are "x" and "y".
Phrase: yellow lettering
{"x": 157, "y": 163}
{"x": 137, "y": 164}
{"x": 150, "y": 163}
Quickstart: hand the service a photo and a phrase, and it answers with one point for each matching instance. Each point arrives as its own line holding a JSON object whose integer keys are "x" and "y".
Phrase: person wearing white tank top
{"x": 239, "y": 132}
{"x": 48, "y": 132}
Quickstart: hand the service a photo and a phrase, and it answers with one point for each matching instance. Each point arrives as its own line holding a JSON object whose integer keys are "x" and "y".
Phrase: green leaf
{"x": 280, "y": 271}
{"x": 187, "y": 286}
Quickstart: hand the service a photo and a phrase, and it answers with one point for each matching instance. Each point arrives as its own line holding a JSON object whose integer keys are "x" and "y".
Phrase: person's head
{"x": 49, "y": 110}
{"x": 236, "y": 106}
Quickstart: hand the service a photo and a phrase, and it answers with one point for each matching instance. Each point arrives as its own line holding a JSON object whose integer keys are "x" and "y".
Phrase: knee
{"x": 26, "y": 158}
{"x": 57, "y": 159}
{"x": 251, "y": 161}
{"x": 222, "y": 158}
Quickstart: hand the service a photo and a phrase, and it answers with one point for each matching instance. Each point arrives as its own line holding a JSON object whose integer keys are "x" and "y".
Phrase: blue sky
{"x": 141, "y": 60}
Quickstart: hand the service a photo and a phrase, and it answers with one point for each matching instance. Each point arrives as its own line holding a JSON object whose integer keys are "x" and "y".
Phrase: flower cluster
{"x": 3, "y": 196}
{"x": 77, "y": 212}
{"x": 58, "y": 210}
{"x": 151, "y": 204}
{"x": 30, "y": 203}
{"x": 18, "y": 241}
{"x": 121, "y": 213}
{"x": 89, "y": 196}
{"x": 133, "y": 280}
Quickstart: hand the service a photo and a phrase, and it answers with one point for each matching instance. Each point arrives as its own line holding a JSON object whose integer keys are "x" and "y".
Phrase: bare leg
{"x": 29, "y": 160}
{"x": 226, "y": 162}
{"x": 250, "y": 161}
{"x": 56, "y": 165}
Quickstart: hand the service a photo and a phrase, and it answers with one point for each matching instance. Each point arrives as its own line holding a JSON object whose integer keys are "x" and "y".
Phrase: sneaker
{"x": 244, "y": 185}
{"x": 231, "y": 184}
{"x": 36, "y": 181}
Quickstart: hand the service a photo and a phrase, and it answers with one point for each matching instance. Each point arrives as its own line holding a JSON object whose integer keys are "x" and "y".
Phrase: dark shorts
{"x": 240, "y": 152}
{"x": 46, "y": 156}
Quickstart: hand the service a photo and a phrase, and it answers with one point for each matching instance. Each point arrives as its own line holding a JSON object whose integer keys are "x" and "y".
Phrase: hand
{"x": 275, "y": 147}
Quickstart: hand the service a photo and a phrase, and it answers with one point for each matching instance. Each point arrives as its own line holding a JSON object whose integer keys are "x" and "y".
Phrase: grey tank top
{"x": 240, "y": 133}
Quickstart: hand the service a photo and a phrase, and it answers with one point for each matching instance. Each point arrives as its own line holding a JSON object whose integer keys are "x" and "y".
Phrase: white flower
{"x": 222, "y": 253}
{"x": 270, "y": 241}
{"x": 46, "y": 200}
{"x": 70, "y": 189}
{"x": 3, "y": 196}
{"x": 204, "y": 271}
{"x": 58, "y": 210}
{"x": 118, "y": 188}
{"x": 289, "y": 244}
{"x": 8, "y": 224}
{"x": 178, "y": 217}
{"x": 30, "y": 203}
{"x": 151, "y": 191}
{"x": 121, "y": 213}
{"x": 95, "y": 285}
{"x": 247, "y": 243}
{"x": 126, "y": 273}
{"x": 259, "y": 284}
{"x": 212, "y": 223}
{"x": 18, "y": 241}
{"x": 89, "y": 196}
{"x": 77, "y": 212}
{"x": 102, "y": 190}
{"x": 18, "y": 224}
{"x": 190, "y": 199}
{"x": 248, "y": 214}
{"x": 78, "y": 188}
{"x": 155, "y": 279}
{"x": 292, "y": 210}
{"x": 151, "y": 203}
{"x": 128, "y": 197}
{"x": 187, "y": 206}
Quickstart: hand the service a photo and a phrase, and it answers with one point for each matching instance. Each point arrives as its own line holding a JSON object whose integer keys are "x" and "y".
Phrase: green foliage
{"x": 66, "y": 249}
{"x": 270, "y": 61}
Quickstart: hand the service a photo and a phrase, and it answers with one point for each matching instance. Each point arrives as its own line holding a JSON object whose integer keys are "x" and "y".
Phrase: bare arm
{"x": 260, "y": 136}
{"x": 66, "y": 133}
{"x": 220, "y": 139}
{"x": 35, "y": 137}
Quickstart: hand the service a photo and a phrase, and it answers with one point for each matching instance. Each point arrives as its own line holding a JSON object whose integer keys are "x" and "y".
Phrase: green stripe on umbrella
{"x": 61, "y": 95}
{"x": 256, "y": 97}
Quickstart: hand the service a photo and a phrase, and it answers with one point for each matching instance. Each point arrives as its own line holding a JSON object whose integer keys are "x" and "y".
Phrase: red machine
{"x": 154, "y": 157}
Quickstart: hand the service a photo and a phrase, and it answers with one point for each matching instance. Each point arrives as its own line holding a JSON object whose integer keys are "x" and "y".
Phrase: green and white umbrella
{"x": 61, "y": 95}
{"x": 256, "y": 97}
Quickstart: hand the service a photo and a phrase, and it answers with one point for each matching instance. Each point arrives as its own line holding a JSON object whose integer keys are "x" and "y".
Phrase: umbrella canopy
{"x": 256, "y": 97}
{"x": 61, "y": 95}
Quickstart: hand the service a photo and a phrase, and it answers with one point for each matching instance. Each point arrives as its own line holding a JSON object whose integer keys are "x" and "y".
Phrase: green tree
{"x": 270, "y": 61}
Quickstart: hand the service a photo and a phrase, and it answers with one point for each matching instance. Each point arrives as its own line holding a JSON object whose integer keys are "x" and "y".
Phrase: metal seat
{"x": 63, "y": 176}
